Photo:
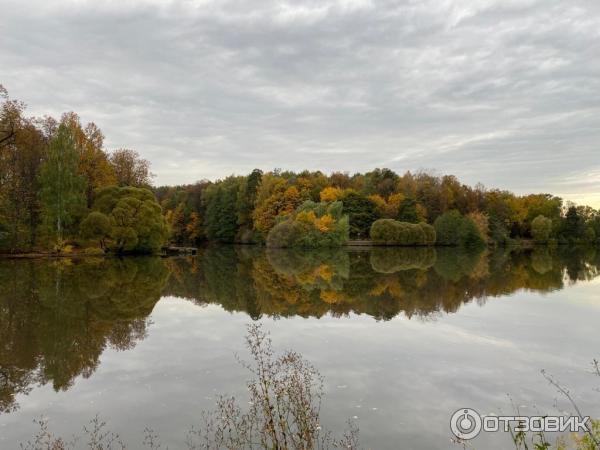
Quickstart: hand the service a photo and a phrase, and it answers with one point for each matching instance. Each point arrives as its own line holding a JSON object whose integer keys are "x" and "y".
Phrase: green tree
{"x": 361, "y": 211}
{"x": 408, "y": 211}
{"x": 137, "y": 223}
{"x": 573, "y": 225}
{"x": 452, "y": 228}
{"x": 62, "y": 189}
{"x": 541, "y": 229}
{"x": 247, "y": 198}
{"x": 221, "y": 218}
{"x": 96, "y": 226}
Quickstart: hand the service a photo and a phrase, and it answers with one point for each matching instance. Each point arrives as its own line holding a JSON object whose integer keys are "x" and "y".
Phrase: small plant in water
{"x": 283, "y": 412}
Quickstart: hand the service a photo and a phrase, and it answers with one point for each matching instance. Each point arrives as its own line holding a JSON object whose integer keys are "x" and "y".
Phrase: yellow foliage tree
{"x": 331, "y": 194}
{"x": 282, "y": 202}
{"x": 388, "y": 208}
{"x": 392, "y": 206}
{"x": 306, "y": 217}
{"x": 324, "y": 223}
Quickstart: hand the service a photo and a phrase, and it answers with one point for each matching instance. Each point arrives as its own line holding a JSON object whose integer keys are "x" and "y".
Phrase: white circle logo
{"x": 465, "y": 423}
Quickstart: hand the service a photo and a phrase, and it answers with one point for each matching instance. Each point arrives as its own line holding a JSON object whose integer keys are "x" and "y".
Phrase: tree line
{"x": 285, "y": 207}
{"x": 60, "y": 188}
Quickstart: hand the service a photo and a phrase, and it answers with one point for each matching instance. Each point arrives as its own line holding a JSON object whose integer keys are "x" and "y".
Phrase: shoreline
{"x": 364, "y": 244}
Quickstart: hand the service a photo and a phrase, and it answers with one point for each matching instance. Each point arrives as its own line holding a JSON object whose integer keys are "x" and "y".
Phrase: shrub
{"x": 384, "y": 231}
{"x": 392, "y": 232}
{"x": 429, "y": 233}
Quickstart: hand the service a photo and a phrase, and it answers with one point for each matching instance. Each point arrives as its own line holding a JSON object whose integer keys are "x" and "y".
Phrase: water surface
{"x": 404, "y": 337}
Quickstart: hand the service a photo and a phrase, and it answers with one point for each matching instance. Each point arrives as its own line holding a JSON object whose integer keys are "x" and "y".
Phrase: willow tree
{"x": 62, "y": 193}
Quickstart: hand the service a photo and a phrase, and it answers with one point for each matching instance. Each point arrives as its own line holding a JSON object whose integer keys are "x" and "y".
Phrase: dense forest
{"x": 60, "y": 190}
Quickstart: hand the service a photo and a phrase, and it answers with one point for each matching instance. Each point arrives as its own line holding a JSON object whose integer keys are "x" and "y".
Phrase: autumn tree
{"x": 177, "y": 224}
{"x": 20, "y": 159}
{"x": 9, "y": 117}
{"x": 283, "y": 201}
{"x": 331, "y": 194}
{"x": 193, "y": 228}
{"x": 93, "y": 162}
{"x": 381, "y": 182}
{"x": 312, "y": 225}
{"x": 481, "y": 221}
{"x": 130, "y": 169}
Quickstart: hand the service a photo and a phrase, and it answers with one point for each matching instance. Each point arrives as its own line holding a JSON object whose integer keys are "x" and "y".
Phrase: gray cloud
{"x": 502, "y": 92}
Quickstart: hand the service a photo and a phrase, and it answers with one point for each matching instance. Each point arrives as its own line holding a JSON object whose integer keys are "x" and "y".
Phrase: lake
{"x": 403, "y": 337}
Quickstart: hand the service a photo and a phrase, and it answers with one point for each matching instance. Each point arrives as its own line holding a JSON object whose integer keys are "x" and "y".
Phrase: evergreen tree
{"x": 221, "y": 211}
{"x": 408, "y": 211}
{"x": 247, "y": 198}
{"x": 573, "y": 226}
{"x": 361, "y": 211}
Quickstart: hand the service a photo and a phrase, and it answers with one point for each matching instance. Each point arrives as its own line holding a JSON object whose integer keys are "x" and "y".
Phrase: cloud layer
{"x": 506, "y": 92}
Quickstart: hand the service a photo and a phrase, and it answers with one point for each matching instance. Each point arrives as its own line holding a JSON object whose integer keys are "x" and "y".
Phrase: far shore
{"x": 524, "y": 244}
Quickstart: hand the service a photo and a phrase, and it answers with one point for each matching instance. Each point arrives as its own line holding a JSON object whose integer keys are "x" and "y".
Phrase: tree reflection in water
{"x": 57, "y": 317}
{"x": 382, "y": 282}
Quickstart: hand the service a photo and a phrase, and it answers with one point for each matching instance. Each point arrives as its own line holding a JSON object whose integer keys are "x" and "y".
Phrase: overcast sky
{"x": 505, "y": 92}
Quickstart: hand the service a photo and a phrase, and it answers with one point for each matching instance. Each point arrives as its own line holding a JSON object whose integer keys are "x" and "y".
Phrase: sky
{"x": 502, "y": 92}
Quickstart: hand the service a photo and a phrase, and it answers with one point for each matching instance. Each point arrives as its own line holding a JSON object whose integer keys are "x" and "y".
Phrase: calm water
{"x": 404, "y": 337}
